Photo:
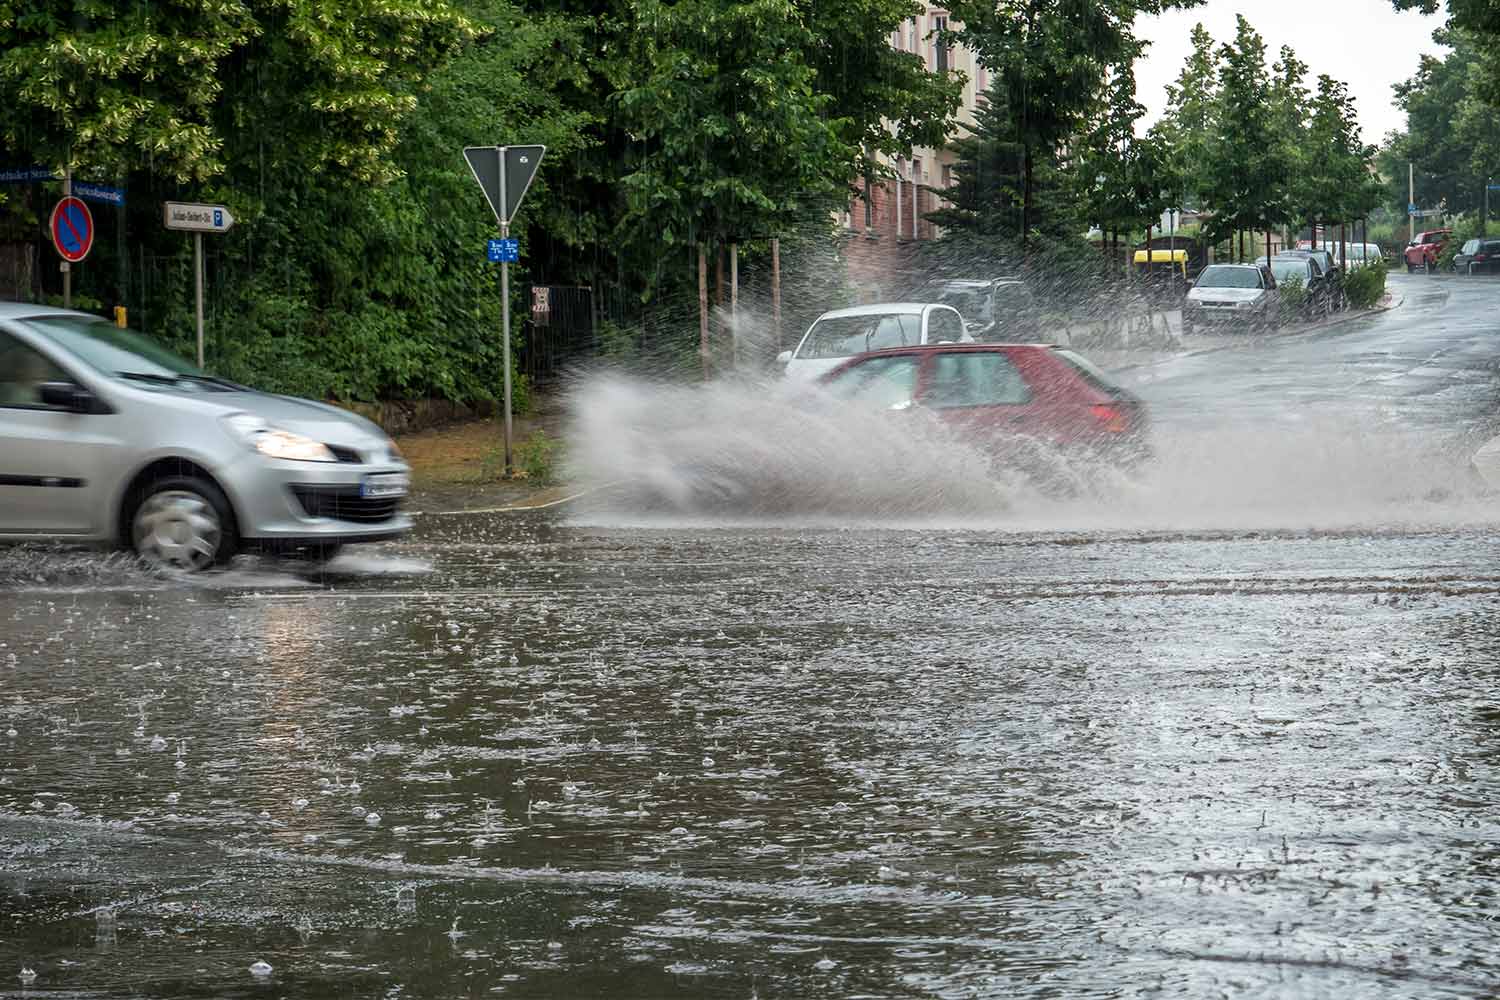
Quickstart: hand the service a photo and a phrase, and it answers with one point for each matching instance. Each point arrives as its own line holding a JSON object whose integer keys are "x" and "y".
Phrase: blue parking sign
{"x": 503, "y": 251}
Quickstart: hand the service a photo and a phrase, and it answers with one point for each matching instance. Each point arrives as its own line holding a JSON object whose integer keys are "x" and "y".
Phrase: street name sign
{"x": 196, "y": 218}
{"x": 98, "y": 192}
{"x": 26, "y": 175}
{"x": 72, "y": 228}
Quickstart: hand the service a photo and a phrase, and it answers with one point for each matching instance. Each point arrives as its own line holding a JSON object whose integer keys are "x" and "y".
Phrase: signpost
{"x": 504, "y": 173}
{"x": 72, "y": 228}
{"x": 197, "y": 219}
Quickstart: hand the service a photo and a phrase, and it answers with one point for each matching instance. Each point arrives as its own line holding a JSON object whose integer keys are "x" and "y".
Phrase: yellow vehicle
{"x": 1161, "y": 264}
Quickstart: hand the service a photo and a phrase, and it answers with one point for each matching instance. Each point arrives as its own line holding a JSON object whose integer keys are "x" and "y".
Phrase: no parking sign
{"x": 72, "y": 229}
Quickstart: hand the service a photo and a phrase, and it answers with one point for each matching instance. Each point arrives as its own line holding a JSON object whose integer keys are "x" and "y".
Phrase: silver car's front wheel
{"x": 181, "y": 526}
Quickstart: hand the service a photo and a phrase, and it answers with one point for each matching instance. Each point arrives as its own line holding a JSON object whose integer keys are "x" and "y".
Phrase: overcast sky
{"x": 1365, "y": 43}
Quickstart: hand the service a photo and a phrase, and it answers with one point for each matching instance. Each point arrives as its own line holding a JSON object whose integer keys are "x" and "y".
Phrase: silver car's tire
{"x": 183, "y": 524}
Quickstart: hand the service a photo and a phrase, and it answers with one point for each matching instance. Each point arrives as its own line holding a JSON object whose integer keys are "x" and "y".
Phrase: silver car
{"x": 106, "y": 437}
{"x": 1242, "y": 294}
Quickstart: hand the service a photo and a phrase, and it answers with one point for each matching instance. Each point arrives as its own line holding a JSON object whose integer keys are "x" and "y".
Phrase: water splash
{"x": 751, "y": 451}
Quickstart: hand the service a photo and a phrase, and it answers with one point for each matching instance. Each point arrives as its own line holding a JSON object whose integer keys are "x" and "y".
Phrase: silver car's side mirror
{"x": 67, "y": 396}
{"x": 785, "y": 357}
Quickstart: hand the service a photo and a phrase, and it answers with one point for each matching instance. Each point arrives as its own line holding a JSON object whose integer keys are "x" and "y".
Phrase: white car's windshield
{"x": 845, "y": 336}
{"x": 111, "y": 350}
{"x": 1229, "y": 277}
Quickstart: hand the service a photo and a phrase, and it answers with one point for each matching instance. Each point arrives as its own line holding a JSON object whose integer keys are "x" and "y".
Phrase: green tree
{"x": 1249, "y": 167}
{"x": 1452, "y": 135}
{"x": 1050, "y": 58}
{"x": 1190, "y": 126}
{"x": 113, "y": 88}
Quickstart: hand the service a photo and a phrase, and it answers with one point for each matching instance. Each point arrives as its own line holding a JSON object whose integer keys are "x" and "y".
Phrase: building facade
{"x": 884, "y": 220}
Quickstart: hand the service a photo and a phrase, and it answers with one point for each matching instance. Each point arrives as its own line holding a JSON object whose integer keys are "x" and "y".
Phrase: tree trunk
{"x": 1026, "y": 200}
{"x": 703, "y": 307}
{"x": 776, "y": 289}
{"x": 1241, "y": 258}
{"x": 719, "y": 274}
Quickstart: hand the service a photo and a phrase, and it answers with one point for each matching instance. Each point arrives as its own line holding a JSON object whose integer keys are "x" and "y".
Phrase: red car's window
{"x": 974, "y": 378}
{"x": 1092, "y": 374}
{"x": 877, "y": 382}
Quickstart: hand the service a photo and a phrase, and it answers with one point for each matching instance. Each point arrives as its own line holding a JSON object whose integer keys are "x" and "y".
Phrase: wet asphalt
{"x": 1232, "y": 731}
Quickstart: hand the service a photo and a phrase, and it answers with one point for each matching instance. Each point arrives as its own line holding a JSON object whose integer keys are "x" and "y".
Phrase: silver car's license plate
{"x": 385, "y": 484}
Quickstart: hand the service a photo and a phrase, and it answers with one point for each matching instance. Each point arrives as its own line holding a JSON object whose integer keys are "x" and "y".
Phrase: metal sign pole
{"x": 198, "y": 290}
{"x": 505, "y": 303}
{"x": 67, "y": 268}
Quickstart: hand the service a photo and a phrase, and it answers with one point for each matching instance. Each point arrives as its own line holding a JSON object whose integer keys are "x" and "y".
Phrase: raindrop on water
{"x": 260, "y": 969}
{"x": 373, "y": 819}
{"x": 27, "y": 976}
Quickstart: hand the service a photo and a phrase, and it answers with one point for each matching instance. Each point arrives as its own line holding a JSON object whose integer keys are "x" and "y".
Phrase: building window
{"x": 942, "y": 54}
{"x": 911, "y": 36}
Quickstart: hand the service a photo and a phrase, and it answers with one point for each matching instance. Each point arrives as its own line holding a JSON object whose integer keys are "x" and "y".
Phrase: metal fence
{"x": 563, "y": 329}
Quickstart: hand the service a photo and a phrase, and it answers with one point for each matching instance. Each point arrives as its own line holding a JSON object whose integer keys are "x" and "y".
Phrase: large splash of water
{"x": 756, "y": 450}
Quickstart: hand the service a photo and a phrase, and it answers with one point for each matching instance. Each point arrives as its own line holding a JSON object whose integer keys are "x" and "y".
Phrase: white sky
{"x": 1365, "y": 43}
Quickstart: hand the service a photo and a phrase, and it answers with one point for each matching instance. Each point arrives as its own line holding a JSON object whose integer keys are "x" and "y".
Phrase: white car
{"x": 840, "y": 334}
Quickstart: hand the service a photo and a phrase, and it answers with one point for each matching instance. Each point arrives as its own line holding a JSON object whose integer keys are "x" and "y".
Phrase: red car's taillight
{"x": 1479, "y": 256}
{"x": 1113, "y": 418}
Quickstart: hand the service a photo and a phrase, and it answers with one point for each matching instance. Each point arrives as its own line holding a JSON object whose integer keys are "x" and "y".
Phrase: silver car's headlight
{"x": 273, "y": 442}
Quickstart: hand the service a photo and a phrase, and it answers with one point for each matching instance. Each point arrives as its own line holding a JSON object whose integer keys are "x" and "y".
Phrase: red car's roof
{"x": 929, "y": 348}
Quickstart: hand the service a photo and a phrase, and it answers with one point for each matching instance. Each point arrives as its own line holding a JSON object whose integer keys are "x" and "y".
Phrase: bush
{"x": 1293, "y": 297}
{"x": 536, "y": 458}
{"x": 1365, "y": 286}
{"x": 1465, "y": 228}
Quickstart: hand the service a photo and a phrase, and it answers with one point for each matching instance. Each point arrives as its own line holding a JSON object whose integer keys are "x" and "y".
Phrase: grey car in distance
{"x": 106, "y": 437}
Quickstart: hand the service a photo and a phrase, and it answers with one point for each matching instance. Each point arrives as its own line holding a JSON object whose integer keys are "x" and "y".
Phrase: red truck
{"x": 1422, "y": 252}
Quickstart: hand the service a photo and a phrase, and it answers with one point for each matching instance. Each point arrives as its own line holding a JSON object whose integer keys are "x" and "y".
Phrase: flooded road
{"x": 576, "y": 753}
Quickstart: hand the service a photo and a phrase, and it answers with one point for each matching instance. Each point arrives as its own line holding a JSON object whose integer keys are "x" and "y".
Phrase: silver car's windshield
{"x": 843, "y": 336}
{"x": 111, "y": 350}
{"x": 1229, "y": 277}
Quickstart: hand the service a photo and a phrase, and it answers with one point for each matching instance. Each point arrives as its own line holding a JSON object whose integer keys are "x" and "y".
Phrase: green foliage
{"x": 169, "y": 87}
{"x": 1190, "y": 126}
{"x": 1465, "y": 228}
{"x": 731, "y": 137}
{"x": 538, "y": 457}
{"x": 1365, "y": 286}
{"x": 1452, "y": 135}
{"x": 1249, "y": 169}
{"x": 1293, "y": 295}
{"x": 1052, "y": 60}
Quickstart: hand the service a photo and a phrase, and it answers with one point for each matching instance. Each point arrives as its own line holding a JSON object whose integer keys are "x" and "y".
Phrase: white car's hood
{"x": 810, "y": 369}
{"x": 1225, "y": 294}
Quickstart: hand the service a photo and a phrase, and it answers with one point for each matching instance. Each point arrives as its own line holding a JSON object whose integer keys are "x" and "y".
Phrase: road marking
{"x": 514, "y": 507}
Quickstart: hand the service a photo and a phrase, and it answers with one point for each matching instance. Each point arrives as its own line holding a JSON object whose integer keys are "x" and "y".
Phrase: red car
{"x": 1422, "y": 252}
{"x": 993, "y": 393}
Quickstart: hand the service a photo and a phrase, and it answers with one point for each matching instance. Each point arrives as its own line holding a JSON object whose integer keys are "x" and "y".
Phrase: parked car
{"x": 842, "y": 333}
{"x": 1477, "y": 256}
{"x": 106, "y": 437}
{"x": 992, "y": 308}
{"x": 991, "y": 394}
{"x": 1322, "y": 296}
{"x": 1422, "y": 252}
{"x": 1243, "y": 294}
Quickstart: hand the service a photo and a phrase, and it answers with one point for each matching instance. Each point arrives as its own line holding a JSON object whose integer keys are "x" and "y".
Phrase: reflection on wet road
{"x": 552, "y": 755}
